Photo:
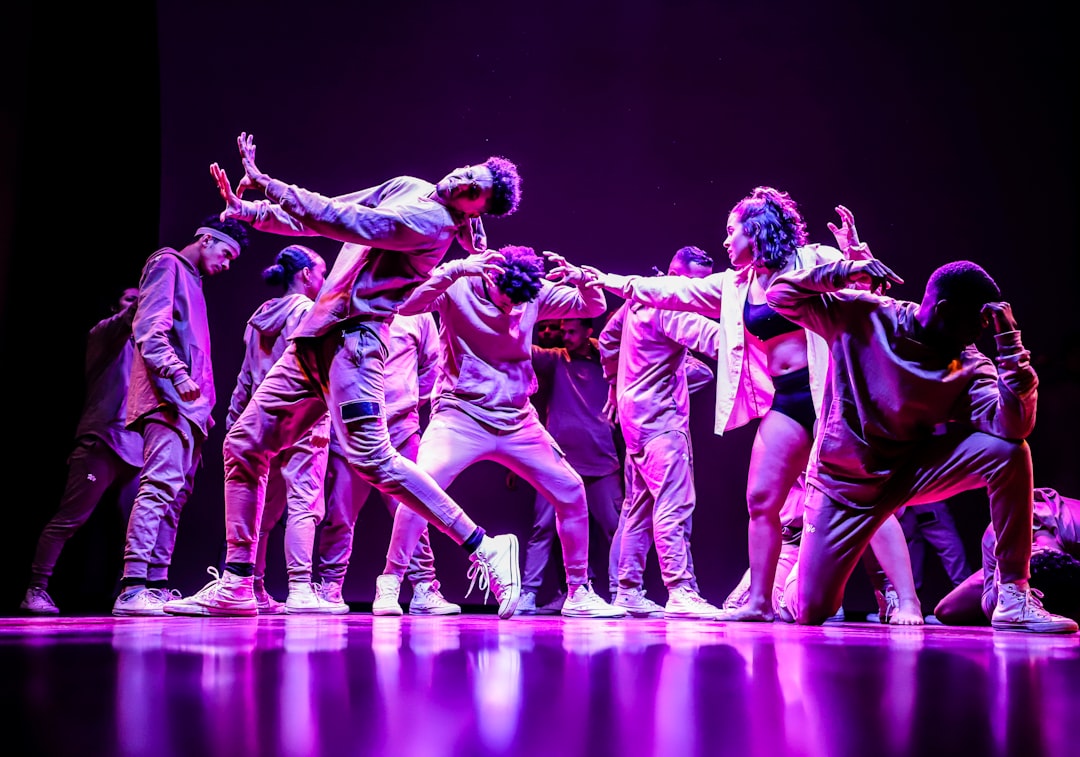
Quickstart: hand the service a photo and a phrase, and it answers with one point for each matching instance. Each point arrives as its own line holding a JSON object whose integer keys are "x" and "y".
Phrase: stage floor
{"x": 474, "y": 685}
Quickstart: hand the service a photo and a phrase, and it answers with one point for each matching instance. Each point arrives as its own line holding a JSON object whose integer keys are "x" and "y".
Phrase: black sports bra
{"x": 764, "y": 322}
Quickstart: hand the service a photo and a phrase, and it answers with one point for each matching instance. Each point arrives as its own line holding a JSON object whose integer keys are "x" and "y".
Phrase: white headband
{"x": 221, "y": 237}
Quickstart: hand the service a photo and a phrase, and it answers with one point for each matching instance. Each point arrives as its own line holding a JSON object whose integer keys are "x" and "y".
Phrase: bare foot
{"x": 746, "y": 614}
{"x": 907, "y": 613}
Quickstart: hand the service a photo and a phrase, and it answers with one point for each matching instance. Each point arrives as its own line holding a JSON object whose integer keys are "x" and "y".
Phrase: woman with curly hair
{"x": 772, "y": 369}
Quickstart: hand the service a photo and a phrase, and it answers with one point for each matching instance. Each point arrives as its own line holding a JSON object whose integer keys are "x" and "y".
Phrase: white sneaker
{"x": 267, "y": 605}
{"x": 428, "y": 600}
{"x": 526, "y": 603}
{"x": 228, "y": 594}
{"x": 305, "y": 599}
{"x": 138, "y": 601}
{"x": 684, "y": 602}
{"x": 495, "y": 569}
{"x": 635, "y": 603}
{"x": 330, "y": 591}
{"x": 583, "y": 602}
{"x": 740, "y": 595}
{"x": 38, "y": 601}
{"x": 387, "y": 588}
{"x": 1019, "y": 610}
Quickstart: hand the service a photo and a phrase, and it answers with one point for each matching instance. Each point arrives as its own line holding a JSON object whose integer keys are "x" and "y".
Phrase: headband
{"x": 221, "y": 237}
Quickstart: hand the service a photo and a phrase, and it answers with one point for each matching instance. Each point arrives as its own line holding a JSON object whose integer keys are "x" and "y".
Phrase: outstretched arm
{"x": 486, "y": 264}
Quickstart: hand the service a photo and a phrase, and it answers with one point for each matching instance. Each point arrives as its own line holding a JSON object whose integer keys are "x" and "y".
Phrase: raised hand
{"x": 563, "y": 271}
{"x": 487, "y": 265}
{"x": 847, "y": 237}
{"x": 875, "y": 273}
{"x": 233, "y": 205}
{"x": 253, "y": 177}
{"x": 999, "y": 316}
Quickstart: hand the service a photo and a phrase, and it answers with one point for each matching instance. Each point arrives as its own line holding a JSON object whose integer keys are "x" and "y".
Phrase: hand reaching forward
{"x": 999, "y": 316}
{"x": 847, "y": 237}
{"x": 564, "y": 272}
{"x": 233, "y": 206}
{"x": 878, "y": 275}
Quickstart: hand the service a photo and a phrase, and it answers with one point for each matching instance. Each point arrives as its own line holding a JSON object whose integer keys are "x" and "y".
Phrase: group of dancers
{"x": 865, "y": 404}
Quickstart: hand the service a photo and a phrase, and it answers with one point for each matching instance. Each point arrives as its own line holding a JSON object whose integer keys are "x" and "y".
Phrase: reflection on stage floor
{"x": 475, "y": 685}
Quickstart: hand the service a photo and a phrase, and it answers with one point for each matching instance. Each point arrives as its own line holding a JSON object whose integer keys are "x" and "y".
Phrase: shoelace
{"x": 212, "y": 584}
{"x": 696, "y": 599}
{"x": 1033, "y": 604}
{"x": 479, "y": 575}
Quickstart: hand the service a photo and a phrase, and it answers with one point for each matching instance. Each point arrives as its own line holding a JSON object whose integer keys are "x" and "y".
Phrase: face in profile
{"x": 216, "y": 256}
{"x": 740, "y": 248}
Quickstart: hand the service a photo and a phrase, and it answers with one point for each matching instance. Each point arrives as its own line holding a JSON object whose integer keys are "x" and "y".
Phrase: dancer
{"x": 773, "y": 370}
{"x": 487, "y": 306}
{"x": 393, "y": 235}
{"x": 411, "y": 358}
{"x": 107, "y": 455}
{"x": 915, "y": 413}
{"x": 575, "y": 418}
{"x": 295, "y": 480}
{"x": 170, "y": 401}
{"x": 643, "y": 351}
{"x": 1055, "y": 566}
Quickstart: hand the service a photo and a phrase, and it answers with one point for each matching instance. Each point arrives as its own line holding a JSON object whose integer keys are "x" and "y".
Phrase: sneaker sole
{"x": 602, "y": 614}
{"x": 199, "y": 611}
{"x": 690, "y": 616}
{"x": 387, "y": 612}
{"x": 643, "y": 613}
{"x": 1052, "y": 627}
{"x": 138, "y": 613}
{"x": 455, "y": 610}
{"x": 313, "y": 610}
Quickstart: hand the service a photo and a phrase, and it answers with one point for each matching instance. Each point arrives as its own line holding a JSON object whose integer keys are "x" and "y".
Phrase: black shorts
{"x": 792, "y": 397}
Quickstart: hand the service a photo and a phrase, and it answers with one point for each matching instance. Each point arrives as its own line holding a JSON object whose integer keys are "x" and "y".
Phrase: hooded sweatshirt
{"x": 266, "y": 336}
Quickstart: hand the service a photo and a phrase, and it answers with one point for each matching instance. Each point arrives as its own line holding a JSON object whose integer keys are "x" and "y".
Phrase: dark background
{"x": 947, "y": 128}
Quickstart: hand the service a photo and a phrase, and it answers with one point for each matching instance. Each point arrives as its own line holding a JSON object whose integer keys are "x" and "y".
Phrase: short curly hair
{"x": 1057, "y": 575}
{"x": 506, "y": 187}
{"x": 772, "y": 220}
{"x": 523, "y": 273}
{"x": 964, "y": 282}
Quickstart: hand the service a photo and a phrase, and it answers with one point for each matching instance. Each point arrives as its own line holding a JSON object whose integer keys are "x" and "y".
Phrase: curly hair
{"x": 523, "y": 272}
{"x": 240, "y": 231}
{"x": 1057, "y": 575}
{"x": 964, "y": 282}
{"x": 289, "y": 262}
{"x": 772, "y": 220}
{"x": 506, "y": 187}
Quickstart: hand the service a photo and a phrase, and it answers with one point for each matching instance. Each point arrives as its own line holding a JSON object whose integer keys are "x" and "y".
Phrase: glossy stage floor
{"x": 474, "y": 685}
